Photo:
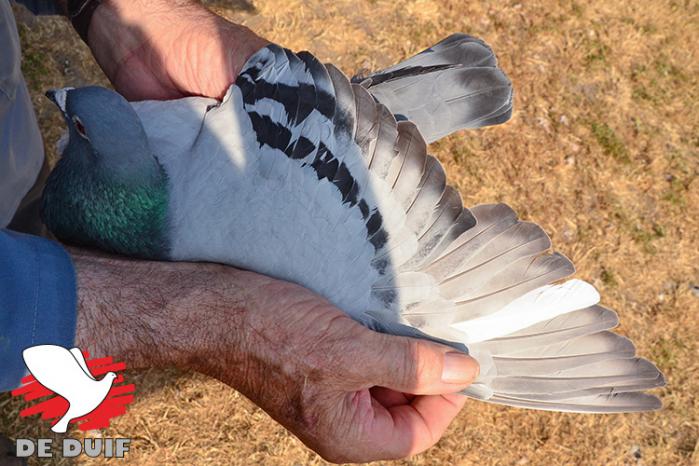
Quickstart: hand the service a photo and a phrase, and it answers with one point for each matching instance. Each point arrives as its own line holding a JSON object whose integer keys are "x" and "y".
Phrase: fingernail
{"x": 459, "y": 368}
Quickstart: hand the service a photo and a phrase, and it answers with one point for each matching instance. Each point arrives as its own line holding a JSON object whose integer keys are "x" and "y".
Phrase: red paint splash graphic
{"x": 53, "y": 407}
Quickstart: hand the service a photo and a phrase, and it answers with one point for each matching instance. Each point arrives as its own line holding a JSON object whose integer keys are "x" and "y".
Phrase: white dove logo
{"x": 65, "y": 373}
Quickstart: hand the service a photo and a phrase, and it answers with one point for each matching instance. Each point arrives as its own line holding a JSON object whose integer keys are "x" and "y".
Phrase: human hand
{"x": 349, "y": 393}
{"x": 163, "y": 49}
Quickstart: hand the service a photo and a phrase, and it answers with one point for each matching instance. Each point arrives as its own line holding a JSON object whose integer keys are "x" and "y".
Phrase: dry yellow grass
{"x": 602, "y": 151}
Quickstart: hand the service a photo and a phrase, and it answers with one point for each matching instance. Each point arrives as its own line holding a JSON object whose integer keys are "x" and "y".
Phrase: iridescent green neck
{"x": 88, "y": 207}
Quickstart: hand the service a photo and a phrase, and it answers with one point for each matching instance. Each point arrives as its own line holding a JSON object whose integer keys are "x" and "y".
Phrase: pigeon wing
{"x": 322, "y": 186}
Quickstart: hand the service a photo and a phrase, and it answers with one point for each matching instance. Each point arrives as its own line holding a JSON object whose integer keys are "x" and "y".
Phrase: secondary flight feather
{"x": 304, "y": 175}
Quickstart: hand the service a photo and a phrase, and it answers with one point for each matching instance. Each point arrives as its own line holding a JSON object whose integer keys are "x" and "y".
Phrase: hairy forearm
{"x": 150, "y": 313}
{"x": 230, "y": 324}
{"x": 218, "y": 320}
{"x": 256, "y": 334}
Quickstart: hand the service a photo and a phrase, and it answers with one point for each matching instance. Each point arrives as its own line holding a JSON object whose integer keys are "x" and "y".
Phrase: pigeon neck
{"x": 89, "y": 207}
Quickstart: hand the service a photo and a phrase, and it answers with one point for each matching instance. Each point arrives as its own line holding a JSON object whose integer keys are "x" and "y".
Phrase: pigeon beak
{"x": 58, "y": 97}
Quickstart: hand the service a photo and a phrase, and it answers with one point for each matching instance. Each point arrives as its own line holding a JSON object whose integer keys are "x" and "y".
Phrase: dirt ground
{"x": 602, "y": 151}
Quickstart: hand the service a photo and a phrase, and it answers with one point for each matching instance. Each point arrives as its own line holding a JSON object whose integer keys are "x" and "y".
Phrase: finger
{"x": 415, "y": 366}
{"x": 421, "y": 424}
{"x": 390, "y": 398}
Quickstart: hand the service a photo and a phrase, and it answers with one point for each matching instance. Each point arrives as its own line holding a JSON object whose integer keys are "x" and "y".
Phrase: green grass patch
{"x": 667, "y": 352}
{"x": 610, "y": 142}
{"x": 599, "y": 52}
{"x": 675, "y": 194}
{"x": 608, "y": 278}
{"x": 669, "y": 70}
{"x": 577, "y": 9}
{"x": 646, "y": 237}
{"x": 681, "y": 174}
{"x": 34, "y": 61}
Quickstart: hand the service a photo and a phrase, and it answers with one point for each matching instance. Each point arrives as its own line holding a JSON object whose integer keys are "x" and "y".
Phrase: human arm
{"x": 303, "y": 361}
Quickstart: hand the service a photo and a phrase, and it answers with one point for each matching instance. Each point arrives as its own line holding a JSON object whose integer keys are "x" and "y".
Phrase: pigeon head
{"x": 108, "y": 190}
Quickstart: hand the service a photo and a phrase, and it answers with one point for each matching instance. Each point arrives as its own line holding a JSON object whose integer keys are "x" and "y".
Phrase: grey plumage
{"x": 545, "y": 360}
{"x": 559, "y": 329}
{"x": 453, "y": 85}
{"x": 608, "y": 372}
{"x": 637, "y": 385}
{"x": 516, "y": 280}
{"x": 613, "y": 403}
{"x": 427, "y": 194}
{"x": 491, "y": 221}
{"x": 524, "y": 240}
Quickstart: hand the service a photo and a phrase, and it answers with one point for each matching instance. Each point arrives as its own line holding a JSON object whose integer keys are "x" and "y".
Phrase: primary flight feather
{"x": 304, "y": 175}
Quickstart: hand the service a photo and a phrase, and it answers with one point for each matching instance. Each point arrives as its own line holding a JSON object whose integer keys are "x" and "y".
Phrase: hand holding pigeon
{"x": 302, "y": 360}
{"x": 166, "y": 50}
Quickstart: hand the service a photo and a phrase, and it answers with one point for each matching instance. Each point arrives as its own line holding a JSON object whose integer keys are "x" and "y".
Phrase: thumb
{"x": 416, "y": 366}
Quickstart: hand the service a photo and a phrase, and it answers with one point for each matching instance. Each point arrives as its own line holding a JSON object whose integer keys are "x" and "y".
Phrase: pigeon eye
{"x": 79, "y": 127}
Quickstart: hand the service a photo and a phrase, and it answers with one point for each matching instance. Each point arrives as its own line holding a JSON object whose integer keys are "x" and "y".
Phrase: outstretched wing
{"x": 480, "y": 277}
{"x": 323, "y": 187}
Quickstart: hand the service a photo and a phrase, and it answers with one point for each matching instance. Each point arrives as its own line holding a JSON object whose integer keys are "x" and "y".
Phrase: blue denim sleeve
{"x": 37, "y": 300}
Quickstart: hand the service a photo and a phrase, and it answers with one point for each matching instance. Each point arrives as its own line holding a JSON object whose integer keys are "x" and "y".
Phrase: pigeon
{"x": 303, "y": 175}
{"x": 65, "y": 372}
